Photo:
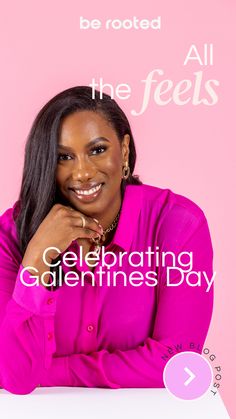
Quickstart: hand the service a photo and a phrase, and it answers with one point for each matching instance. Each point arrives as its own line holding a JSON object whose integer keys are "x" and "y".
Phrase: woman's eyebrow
{"x": 89, "y": 144}
{"x": 64, "y": 147}
{"x": 96, "y": 140}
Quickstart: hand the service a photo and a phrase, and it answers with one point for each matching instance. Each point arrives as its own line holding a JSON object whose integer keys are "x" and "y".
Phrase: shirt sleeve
{"x": 182, "y": 320}
{"x": 26, "y": 321}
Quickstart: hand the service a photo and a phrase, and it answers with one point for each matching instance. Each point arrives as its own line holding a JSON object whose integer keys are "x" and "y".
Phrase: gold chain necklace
{"x": 98, "y": 241}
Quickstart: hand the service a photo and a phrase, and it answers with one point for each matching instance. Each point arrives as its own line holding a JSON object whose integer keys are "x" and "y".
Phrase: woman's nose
{"x": 83, "y": 169}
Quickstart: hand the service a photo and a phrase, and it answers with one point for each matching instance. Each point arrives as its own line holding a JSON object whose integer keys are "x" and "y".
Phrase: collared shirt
{"x": 97, "y": 334}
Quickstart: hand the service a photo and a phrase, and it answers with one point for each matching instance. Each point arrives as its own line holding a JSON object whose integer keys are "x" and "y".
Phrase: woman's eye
{"x": 62, "y": 157}
{"x": 98, "y": 149}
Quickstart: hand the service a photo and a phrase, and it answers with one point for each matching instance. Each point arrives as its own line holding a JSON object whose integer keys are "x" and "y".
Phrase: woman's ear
{"x": 125, "y": 148}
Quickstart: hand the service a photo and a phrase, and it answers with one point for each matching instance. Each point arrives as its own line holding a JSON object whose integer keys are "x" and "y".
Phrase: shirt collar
{"x": 128, "y": 220}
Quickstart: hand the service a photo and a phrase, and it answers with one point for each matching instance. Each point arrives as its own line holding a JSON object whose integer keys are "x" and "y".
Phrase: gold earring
{"x": 125, "y": 171}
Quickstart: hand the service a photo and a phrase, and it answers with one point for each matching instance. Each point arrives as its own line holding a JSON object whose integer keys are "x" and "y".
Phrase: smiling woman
{"x": 79, "y": 194}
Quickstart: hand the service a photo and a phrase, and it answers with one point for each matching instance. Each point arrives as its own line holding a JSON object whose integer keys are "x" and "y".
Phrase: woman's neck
{"x": 109, "y": 216}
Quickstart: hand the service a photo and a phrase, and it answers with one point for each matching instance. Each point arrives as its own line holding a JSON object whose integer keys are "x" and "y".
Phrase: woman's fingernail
{"x": 95, "y": 219}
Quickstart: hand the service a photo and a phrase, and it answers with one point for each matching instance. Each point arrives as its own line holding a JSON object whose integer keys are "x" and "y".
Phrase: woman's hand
{"x": 59, "y": 228}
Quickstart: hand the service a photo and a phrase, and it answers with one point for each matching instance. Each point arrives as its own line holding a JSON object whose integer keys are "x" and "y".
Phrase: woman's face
{"x": 90, "y": 162}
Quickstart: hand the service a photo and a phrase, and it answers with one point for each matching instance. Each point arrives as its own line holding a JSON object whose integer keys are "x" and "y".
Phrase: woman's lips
{"x": 87, "y": 195}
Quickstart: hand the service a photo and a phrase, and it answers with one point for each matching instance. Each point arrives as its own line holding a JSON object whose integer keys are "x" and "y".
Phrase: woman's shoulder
{"x": 7, "y": 223}
{"x": 167, "y": 204}
{"x": 10, "y": 256}
{"x": 174, "y": 217}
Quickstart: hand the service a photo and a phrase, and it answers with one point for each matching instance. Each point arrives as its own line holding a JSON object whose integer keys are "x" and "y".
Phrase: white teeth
{"x": 88, "y": 191}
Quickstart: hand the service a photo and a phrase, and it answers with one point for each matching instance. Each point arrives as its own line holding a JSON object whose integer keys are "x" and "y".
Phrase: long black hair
{"x": 38, "y": 191}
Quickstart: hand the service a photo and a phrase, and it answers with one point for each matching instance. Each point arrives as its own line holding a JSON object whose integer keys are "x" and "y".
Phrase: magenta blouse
{"x": 107, "y": 336}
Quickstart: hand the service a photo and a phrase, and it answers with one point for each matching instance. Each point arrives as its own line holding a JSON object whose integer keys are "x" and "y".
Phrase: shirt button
{"x": 50, "y": 301}
{"x": 50, "y": 335}
{"x": 90, "y": 328}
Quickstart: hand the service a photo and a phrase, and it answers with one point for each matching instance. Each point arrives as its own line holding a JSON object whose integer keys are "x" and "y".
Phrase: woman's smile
{"x": 88, "y": 194}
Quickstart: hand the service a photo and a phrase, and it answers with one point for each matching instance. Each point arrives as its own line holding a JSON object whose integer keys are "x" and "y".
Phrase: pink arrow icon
{"x": 191, "y": 376}
{"x": 196, "y": 383}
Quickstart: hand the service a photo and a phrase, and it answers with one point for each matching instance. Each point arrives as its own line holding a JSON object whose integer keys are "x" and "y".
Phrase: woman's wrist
{"x": 33, "y": 261}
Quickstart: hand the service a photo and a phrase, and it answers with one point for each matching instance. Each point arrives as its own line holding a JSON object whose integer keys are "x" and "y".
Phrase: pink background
{"x": 189, "y": 149}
